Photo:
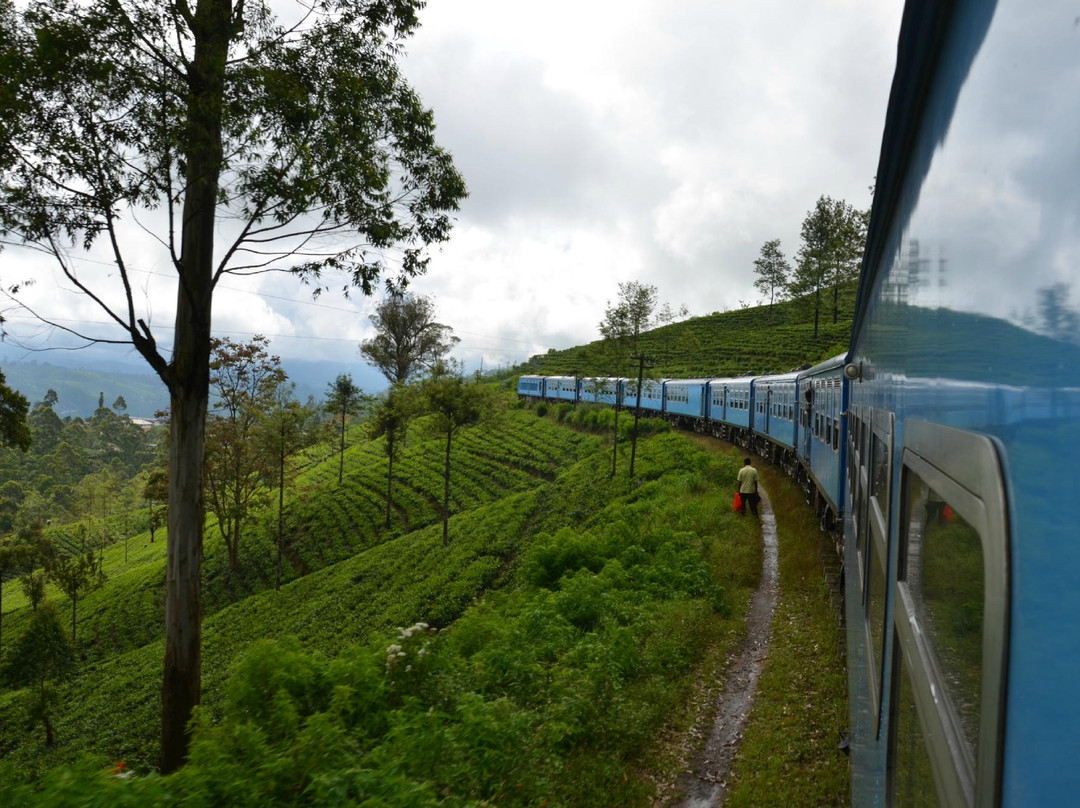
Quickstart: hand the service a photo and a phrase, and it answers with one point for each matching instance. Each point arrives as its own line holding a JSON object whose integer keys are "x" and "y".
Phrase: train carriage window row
{"x": 679, "y": 395}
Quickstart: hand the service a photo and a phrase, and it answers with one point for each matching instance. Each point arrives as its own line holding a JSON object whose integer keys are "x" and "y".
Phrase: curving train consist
{"x": 945, "y": 442}
{"x": 794, "y": 419}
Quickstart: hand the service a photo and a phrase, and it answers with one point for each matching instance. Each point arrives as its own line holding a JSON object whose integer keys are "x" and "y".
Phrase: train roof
{"x": 829, "y": 365}
{"x": 778, "y": 377}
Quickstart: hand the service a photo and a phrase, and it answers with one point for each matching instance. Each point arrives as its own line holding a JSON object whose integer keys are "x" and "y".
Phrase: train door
{"x": 767, "y": 415}
{"x": 807, "y": 408}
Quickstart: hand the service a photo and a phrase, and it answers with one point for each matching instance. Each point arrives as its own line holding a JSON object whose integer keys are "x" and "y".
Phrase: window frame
{"x": 965, "y": 469}
{"x": 876, "y": 551}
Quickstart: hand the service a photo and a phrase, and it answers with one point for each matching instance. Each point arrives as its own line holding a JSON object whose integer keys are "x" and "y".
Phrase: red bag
{"x": 737, "y": 504}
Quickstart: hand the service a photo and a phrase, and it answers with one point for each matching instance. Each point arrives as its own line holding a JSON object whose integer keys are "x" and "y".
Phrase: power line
{"x": 290, "y": 300}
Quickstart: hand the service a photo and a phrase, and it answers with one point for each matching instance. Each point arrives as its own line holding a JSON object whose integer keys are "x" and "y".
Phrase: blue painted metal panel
{"x": 561, "y": 388}
{"x": 685, "y": 397}
{"x": 599, "y": 390}
{"x": 967, "y": 316}
{"x": 775, "y": 409}
{"x": 652, "y": 395}
{"x": 823, "y": 427}
{"x": 736, "y": 410}
{"x": 531, "y": 386}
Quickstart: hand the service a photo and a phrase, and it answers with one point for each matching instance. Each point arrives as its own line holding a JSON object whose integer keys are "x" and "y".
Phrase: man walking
{"x": 747, "y": 486}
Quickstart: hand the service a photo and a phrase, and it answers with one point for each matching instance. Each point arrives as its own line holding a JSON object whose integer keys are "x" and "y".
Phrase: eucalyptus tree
{"x": 453, "y": 404}
{"x": 283, "y": 431}
{"x": 245, "y": 379}
{"x": 42, "y": 656}
{"x": 407, "y": 342}
{"x": 14, "y": 430}
{"x": 343, "y": 398}
{"x": 773, "y": 271}
{"x": 242, "y": 137}
{"x": 407, "y": 338}
{"x": 833, "y": 240}
{"x": 389, "y": 419}
{"x": 621, "y": 329}
{"x": 75, "y": 574}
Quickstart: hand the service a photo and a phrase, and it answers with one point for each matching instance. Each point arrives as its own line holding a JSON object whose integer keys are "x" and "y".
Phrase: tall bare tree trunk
{"x": 189, "y": 373}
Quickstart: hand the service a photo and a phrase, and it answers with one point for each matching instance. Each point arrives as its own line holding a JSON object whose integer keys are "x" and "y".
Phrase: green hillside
{"x": 751, "y": 340}
{"x": 575, "y": 610}
{"x": 566, "y": 628}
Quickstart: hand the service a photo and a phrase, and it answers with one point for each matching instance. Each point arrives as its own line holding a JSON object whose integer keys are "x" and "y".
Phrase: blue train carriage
{"x": 652, "y": 396}
{"x": 530, "y": 387}
{"x": 684, "y": 402}
{"x": 727, "y": 408}
{"x": 962, "y": 559}
{"x": 822, "y": 436}
{"x": 601, "y": 389}
{"x": 775, "y": 410}
{"x": 561, "y": 388}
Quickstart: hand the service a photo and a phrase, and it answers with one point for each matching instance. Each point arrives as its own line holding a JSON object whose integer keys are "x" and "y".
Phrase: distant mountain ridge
{"x": 79, "y": 386}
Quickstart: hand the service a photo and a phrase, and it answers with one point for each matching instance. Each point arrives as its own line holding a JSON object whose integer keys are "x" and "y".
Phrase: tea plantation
{"x": 537, "y": 659}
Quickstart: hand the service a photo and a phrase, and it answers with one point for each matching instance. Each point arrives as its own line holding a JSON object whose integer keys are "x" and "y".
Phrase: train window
{"x": 880, "y": 474}
{"x": 877, "y": 548}
{"x": 875, "y": 623}
{"x": 911, "y": 780}
{"x": 952, "y": 606}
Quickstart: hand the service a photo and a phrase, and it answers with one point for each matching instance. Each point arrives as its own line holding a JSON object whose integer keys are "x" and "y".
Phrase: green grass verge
{"x": 789, "y": 752}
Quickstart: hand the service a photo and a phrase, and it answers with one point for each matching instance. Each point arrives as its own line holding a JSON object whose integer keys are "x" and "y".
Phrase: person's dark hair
{"x": 746, "y": 461}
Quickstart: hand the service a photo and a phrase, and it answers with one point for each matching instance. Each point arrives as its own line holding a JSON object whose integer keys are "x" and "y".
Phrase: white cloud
{"x": 608, "y": 141}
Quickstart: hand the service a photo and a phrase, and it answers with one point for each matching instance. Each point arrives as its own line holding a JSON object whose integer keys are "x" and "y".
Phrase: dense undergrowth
{"x": 564, "y": 624}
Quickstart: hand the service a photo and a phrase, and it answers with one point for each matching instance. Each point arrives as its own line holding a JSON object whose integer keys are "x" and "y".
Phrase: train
{"x": 945, "y": 443}
{"x": 793, "y": 419}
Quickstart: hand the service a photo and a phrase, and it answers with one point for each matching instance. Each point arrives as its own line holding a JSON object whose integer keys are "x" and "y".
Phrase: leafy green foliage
{"x": 732, "y": 343}
{"x": 536, "y": 687}
{"x": 13, "y": 408}
{"x": 41, "y": 656}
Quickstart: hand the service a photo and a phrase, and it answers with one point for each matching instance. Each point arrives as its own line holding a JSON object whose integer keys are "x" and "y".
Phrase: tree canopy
{"x": 833, "y": 239}
{"x": 244, "y": 137}
{"x": 773, "y": 270}
{"x": 407, "y": 339}
{"x": 14, "y": 430}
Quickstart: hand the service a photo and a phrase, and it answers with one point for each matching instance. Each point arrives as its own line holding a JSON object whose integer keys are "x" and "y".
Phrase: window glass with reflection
{"x": 879, "y": 483}
{"x": 944, "y": 571}
{"x": 912, "y": 782}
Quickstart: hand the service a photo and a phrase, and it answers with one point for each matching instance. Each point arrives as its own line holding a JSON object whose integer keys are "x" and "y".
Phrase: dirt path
{"x": 706, "y": 786}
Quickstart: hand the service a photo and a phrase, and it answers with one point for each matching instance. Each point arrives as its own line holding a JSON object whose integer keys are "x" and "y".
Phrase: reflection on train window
{"x": 912, "y": 781}
{"x": 944, "y": 573}
{"x": 879, "y": 483}
{"x": 876, "y": 614}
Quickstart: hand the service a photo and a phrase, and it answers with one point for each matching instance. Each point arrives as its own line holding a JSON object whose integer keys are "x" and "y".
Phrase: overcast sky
{"x": 662, "y": 141}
